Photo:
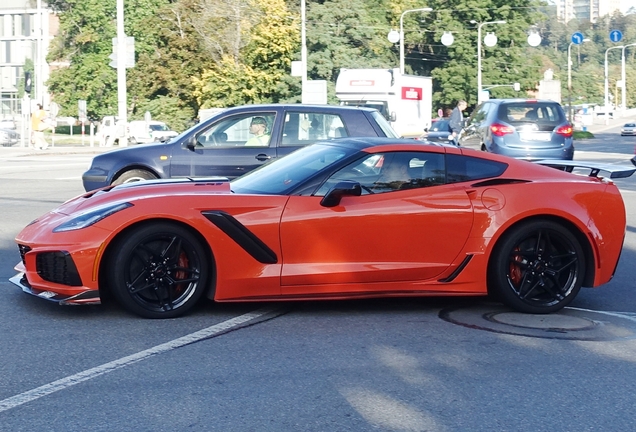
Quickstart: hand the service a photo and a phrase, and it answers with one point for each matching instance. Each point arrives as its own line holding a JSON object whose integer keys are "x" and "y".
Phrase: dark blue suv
{"x": 234, "y": 142}
{"x": 522, "y": 128}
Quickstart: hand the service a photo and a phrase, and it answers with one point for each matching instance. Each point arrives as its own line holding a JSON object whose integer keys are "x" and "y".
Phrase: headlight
{"x": 92, "y": 217}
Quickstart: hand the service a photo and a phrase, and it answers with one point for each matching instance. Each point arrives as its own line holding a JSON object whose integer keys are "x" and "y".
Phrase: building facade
{"x": 26, "y": 29}
{"x": 588, "y": 10}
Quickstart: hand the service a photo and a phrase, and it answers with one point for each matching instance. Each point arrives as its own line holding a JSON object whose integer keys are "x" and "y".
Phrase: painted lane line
{"x": 613, "y": 314}
{"x": 89, "y": 374}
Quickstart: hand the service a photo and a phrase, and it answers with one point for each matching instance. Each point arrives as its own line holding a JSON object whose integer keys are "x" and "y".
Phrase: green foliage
{"x": 262, "y": 65}
{"x": 582, "y": 135}
{"x": 218, "y": 53}
{"x": 168, "y": 110}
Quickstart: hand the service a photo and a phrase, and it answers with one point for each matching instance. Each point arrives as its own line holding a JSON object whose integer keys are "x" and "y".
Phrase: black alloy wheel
{"x": 537, "y": 267}
{"x": 158, "y": 270}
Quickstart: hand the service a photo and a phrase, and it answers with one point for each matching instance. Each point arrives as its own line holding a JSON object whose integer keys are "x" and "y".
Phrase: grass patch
{"x": 582, "y": 135}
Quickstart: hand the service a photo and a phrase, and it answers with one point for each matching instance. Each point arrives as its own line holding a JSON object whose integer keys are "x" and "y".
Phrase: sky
{"x": 626, "y": 4}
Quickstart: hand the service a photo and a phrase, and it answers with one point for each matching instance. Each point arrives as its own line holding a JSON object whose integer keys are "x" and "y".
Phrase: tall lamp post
{"x": 479, "y": 26}
{"x": 402, "y": 34}
{"x": 606, "y": 109}
{"x": 570, "y": 78}
{"x": 624, "y": 79}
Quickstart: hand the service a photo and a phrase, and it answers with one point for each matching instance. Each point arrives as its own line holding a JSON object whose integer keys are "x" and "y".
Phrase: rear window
{"x": 534, "y": 112}
{"x": 441, "y": 126}
{"x": 460, "y": 168}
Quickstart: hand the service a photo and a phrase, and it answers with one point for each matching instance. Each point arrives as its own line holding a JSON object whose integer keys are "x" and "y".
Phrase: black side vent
{"x": 499, "y": 181}
{"x": 242, "y": 236}
{"x": 23, "y": 251}
{"x": 458, "y": 270}
{"x": 57, "y": 267}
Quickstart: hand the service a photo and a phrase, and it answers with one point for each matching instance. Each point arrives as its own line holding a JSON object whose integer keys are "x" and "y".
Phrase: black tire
{"x": 537, "y": 267}
{"x": 133, "y": 176}
{"x": 158, "y": 270}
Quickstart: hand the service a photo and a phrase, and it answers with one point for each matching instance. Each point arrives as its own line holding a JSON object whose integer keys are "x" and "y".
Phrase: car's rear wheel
{"x": 537, "y": 267}
{"x": 158, "y": 270}
{"x": 133, "y": 176}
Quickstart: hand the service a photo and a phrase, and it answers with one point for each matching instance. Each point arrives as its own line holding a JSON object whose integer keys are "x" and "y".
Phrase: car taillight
{"x": 566, "y": 131}
{"x": 501, "y": 130}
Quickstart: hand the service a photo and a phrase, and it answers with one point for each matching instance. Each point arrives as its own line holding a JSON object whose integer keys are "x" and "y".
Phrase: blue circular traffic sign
{"x": 577, "y": 38}
{"x": 616, "y": 35}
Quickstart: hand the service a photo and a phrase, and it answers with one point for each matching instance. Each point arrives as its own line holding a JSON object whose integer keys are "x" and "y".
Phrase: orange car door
{"x": 404, "y": 235}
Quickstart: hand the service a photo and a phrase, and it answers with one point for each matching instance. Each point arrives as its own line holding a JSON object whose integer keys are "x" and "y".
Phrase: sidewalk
{"x": 64, "y": 147}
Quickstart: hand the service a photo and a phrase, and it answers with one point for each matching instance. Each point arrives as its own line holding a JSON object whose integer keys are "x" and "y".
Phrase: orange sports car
{"x": 350, "y": 218}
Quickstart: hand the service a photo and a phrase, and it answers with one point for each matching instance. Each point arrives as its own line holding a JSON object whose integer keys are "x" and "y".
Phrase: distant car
{"x": 141, "y": 131}
{"x": 8, "y": 137}
{"x": 440, "y": 131}
{"x": 8, "y": 124}
{"x": 342, "y": 219}
{"x": 521, "y": 128}
{"x": 220, "y": 146}
{"x": 628, "y": 129}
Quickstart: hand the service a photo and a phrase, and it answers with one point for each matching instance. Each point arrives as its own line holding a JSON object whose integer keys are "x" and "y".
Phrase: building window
{"x": 26, "y": 25}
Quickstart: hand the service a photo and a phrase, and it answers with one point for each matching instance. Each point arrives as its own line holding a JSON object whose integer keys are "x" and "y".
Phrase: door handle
{"x": 263, "y": 157}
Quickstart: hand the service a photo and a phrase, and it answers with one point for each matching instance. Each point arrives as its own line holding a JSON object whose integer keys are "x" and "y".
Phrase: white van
{"x": 141, "y": 131}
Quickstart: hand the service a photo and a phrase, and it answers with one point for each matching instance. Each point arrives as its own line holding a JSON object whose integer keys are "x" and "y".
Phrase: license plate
{"x": 534, "y": 136}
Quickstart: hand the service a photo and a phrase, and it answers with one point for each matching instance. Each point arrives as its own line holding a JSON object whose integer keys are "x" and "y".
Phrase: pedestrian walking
{"x": 456, "y": 121}
{"x": 38, "y": 126}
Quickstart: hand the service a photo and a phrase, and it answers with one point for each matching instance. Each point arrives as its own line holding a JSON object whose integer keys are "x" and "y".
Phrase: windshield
{"x": 384, "y": 125}
{"x": 159, "y": 127}
{"x": 282, "y": 175}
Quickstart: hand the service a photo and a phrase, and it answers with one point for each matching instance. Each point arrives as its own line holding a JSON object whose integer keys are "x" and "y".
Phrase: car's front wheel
{"x": 537, "y": 267}
{"x": 133, "y": 176}
{"x": 159, "y": 270}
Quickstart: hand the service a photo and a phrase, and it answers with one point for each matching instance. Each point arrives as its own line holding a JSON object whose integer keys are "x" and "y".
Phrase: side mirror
{"x": 191, "y": 143}
{"x": 343, "y": 188}
{"x": 393, "y": 116}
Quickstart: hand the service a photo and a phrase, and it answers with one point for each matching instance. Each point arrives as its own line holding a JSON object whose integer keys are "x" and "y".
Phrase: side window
{"x": 253, "y": 129}
{"x": 465, "y": 168}
{"x": 388, "y": 172}
{"x": 302, "y": 128}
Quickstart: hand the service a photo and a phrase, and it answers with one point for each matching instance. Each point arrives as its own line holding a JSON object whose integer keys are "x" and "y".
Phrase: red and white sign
{"x": 362, "y": 83}
{"x": 412, "y": 93}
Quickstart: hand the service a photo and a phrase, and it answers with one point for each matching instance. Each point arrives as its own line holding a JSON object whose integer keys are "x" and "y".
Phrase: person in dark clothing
{"x": 456, "y": 121}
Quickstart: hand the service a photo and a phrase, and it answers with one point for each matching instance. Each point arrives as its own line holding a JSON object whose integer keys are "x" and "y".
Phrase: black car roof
{"x": 318, "y": 108}
{"x": 521, "y": 100}
{"x": 366, "y": 142}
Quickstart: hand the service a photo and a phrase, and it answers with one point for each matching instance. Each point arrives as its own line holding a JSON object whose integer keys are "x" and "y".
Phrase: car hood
{"x": 131, "y": 192}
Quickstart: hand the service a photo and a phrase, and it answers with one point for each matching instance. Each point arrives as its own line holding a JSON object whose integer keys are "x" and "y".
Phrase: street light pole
{"x": 606, "y": 108}
{"x": 402, "y": 34}
{"x": 570, "y": 79}
{"x": 624, "y": 79}
{"x": 479, "y": 53}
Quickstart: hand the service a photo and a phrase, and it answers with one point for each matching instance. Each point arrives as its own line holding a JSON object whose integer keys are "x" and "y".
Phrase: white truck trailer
{"x": 405, "y": 100}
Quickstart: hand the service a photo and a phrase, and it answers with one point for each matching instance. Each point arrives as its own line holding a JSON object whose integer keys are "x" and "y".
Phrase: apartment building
{"x": 589, "y": 10}
{"x": 26, "y": 29}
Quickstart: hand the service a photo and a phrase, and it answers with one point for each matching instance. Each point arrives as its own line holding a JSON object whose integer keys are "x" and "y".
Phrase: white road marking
{"x": 624, "y": 315}
{"x": 89, "y": 374}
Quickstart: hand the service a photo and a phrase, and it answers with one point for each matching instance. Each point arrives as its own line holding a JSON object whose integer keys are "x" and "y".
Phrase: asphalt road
{"x": 389, "y": 365}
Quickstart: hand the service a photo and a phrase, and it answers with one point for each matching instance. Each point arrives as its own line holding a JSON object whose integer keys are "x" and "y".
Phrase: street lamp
{"x": 479, "y": 53}
{"x": 607, "y": 83}
{"x": 402, "y": 33}
{"x": 570, "y": 78}
{"x": 623, "y": 78}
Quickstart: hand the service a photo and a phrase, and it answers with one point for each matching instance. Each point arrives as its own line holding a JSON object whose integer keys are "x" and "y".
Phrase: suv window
{"x": 302, "y": 128}
{"x": 524, "y": 112}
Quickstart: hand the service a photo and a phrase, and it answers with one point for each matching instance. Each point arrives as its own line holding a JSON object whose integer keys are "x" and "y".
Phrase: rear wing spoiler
{"x": 614, "y": 171}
